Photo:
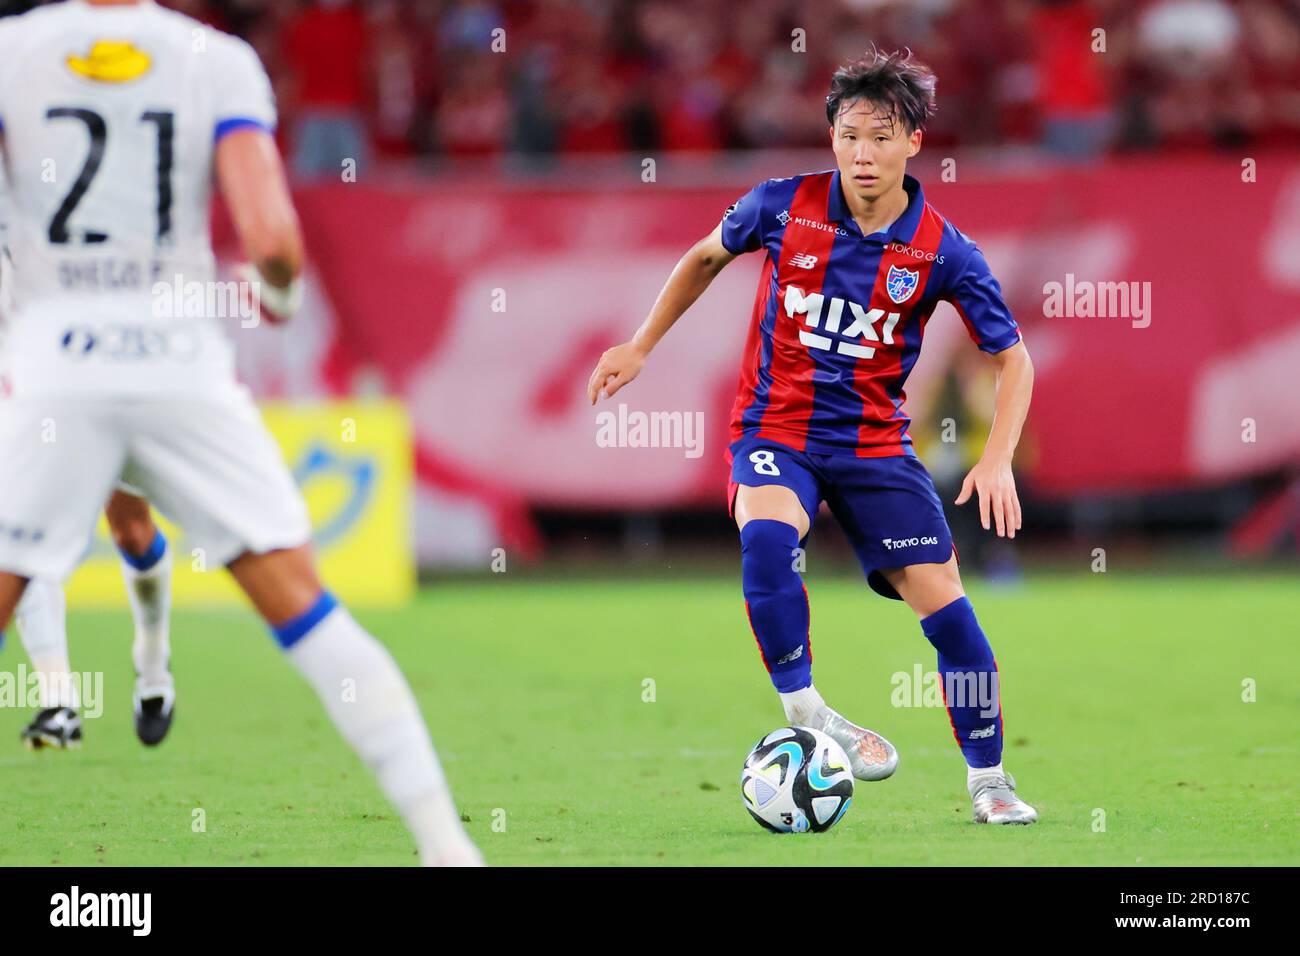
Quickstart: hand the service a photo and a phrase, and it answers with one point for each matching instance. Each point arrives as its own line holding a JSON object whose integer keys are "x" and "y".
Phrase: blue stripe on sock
{"x": 154, "y": 553}
{"x": 291, "y": 632}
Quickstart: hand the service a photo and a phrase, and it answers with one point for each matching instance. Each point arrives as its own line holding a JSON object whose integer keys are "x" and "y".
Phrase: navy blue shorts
{"x": 887, "y": 507}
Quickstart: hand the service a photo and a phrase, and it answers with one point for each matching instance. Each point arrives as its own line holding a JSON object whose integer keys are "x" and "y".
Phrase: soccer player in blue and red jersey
{"x": 855, "y": 263}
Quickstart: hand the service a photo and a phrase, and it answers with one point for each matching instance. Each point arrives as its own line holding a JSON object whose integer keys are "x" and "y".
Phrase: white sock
{"x": 974, "y": 773}
{"x": 150, "y": 594}
{"x": 41, "y": 619}
{"x": 372, "y": 706}
{"x": 802, "y": 705}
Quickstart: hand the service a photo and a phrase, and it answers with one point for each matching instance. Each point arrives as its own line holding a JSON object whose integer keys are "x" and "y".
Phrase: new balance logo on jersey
{"x": 797, "y": 302}
{"x": 982, "y": 733}
{"x": 803, "y": 260}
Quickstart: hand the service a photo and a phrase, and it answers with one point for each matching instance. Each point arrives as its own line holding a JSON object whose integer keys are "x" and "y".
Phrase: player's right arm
{"x": 689, "y": 278}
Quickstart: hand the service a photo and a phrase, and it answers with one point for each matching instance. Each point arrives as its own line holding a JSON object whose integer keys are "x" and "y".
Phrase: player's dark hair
{"x": 894, "y": 83}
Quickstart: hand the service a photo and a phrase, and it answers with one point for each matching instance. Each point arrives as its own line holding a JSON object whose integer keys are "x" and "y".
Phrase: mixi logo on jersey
{"x": 862, "y": 328}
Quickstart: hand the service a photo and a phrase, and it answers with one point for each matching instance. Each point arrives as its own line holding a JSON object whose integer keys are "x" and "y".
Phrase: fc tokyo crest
{"x": 901, "y": 283}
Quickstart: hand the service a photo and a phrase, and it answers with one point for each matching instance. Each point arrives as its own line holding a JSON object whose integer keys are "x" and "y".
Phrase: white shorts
{"x": 208, "y": 464}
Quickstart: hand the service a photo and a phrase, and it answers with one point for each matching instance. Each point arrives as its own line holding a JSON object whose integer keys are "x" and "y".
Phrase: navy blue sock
{"x": 970, "y": 681}
{"x": 776, "y": 601}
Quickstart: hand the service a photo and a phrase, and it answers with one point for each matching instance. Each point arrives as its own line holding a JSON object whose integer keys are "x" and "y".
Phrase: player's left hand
{"x": 276, "y": 304}
{"x": 996, "y": 485}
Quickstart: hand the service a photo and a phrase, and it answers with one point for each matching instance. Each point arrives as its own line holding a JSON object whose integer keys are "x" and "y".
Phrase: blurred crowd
{"x": 481, "y": 77}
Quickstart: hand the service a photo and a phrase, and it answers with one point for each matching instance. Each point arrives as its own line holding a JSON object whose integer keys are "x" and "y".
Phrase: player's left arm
{"x": 992, "y": 478}
{"x": 256, "y": 192}
{"x": 978, "y": 299}
{"x": 252, "y": 177}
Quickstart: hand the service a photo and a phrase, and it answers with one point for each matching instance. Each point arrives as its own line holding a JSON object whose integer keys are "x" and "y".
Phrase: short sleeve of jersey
{"x": 977, "y": 296}
{"x": 742, "y": 226}
{"x": 242, "y": 94}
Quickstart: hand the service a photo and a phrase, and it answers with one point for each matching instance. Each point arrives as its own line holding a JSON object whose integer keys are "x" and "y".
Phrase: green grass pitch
{"x": 1122, "y": 697}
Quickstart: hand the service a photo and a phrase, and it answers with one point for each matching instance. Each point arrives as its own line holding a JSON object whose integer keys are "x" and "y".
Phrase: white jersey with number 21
{"x": 110, "y": 116}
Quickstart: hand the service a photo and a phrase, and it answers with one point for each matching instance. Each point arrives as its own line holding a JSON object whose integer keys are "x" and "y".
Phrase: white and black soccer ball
{"x": 796, "y": 779}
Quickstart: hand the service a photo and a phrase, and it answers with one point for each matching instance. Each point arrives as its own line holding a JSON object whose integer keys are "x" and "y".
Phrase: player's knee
{"x": 11, "y": 593}
{"x": 955, "y": 632}
{"x": 282, "y": 584}
{"x": 130, "y": 523}
{"x": 134, "y": 538}
{"x": 931, "y": 600}
{"x": 769, "y": 557}
{"x": 770, "y": 502}
{"x": 926, "y": 588}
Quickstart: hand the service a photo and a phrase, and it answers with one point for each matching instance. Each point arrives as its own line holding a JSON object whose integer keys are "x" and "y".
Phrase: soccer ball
{"x": 796, "y": 779}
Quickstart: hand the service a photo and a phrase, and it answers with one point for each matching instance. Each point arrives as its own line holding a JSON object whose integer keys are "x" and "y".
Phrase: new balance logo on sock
{"x": 794, "y": 655}
{"x": 983, "y": 732}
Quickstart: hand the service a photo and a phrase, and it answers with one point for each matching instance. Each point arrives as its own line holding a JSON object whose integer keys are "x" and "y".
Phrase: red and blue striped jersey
{"x": 839, "y": 316}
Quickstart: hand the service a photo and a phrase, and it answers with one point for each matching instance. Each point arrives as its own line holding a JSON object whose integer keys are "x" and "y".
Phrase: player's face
{"x": 871, "y": 149}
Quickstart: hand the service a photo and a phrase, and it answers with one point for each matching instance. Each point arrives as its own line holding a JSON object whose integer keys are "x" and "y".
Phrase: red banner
{"x": 486, "y": 308}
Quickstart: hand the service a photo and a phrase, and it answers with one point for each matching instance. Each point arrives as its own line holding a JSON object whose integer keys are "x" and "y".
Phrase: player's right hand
{"x": 616, "y": 368}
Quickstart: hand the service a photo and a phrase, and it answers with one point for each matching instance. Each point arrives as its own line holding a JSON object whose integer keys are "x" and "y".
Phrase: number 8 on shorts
{"x": 764, "y": 462}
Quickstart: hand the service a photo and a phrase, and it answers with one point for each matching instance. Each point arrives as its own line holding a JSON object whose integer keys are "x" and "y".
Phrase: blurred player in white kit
{"x": 114, "y": 115}
{"x": 41, "y": 615}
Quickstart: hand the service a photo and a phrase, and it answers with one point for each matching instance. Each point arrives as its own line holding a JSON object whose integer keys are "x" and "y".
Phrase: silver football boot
{"x": 993, "y": 799}
{"x": 871, "y": 756}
